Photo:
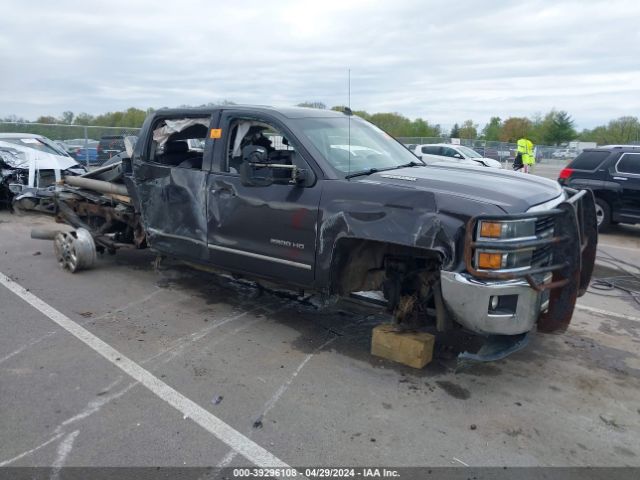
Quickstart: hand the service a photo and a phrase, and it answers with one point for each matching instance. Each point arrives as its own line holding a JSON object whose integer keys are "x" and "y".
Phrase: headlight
{"x": 507, "y": 230}
{"x": 493, "y": 260}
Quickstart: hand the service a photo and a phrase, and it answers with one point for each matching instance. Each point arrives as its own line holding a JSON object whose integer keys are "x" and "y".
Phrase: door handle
{"x": 619, "y": 178}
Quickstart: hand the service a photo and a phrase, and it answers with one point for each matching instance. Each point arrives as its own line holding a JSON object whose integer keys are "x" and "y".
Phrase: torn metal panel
{"x": 495, "y": 348}
{"x": 23, "y": 156}
{"x": 398, "y": 216}
{"x": 174, "y": 209}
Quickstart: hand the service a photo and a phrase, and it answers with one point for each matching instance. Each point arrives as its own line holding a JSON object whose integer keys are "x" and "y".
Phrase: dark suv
{"x": 613, "y": 174}
{"x": 109, "y": 146}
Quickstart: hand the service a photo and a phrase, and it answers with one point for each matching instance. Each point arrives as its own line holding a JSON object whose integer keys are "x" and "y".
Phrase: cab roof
{"x": 287, "y": 112}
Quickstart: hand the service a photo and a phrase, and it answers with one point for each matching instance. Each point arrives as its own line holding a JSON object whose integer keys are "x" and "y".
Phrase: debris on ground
{"x": 258, "y": 422}
{"x": 217, "y": 400}
{"x": 611, "y": 422}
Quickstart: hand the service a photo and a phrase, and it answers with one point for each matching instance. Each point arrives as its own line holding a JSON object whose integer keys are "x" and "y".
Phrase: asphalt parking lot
{"x": 179, "y": 367}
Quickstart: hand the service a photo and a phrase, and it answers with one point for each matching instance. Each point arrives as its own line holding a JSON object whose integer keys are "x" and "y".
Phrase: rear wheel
{"x": 603, "y": 214}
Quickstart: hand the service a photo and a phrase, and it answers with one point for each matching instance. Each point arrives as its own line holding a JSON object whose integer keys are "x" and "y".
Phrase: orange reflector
{"x": 490, "y": 229}
{"x": 216, "y": 133}
{"x": 491, "y": 261}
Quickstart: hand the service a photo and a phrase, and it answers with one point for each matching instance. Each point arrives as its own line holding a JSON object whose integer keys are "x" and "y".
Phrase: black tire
{"x": 603, "y": 213}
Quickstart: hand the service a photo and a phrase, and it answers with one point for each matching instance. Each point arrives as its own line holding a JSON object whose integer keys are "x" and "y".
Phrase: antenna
{"x": 349, "y": 115}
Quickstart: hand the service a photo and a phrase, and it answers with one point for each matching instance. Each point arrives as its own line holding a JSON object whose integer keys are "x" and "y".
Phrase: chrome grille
{"x": 543, "y": 224}
{"x": 542, "y": 256}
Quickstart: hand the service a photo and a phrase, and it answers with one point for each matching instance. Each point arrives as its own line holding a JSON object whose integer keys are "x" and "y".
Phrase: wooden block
{"x": 412, "y": 349}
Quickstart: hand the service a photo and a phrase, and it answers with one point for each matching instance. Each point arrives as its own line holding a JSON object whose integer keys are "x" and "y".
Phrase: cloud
{"x": 444, "y": 61}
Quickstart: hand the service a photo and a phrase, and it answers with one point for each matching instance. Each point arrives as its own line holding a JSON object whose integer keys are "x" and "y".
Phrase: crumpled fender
{"x": 393, "y": 214}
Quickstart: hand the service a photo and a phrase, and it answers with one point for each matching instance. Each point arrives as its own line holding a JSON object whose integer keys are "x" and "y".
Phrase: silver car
{"x": 30, "y": 168}
{"x": 458, "y": 154}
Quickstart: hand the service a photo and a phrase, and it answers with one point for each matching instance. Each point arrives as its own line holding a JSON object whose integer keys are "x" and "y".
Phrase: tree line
{"x": 554, "y": 128}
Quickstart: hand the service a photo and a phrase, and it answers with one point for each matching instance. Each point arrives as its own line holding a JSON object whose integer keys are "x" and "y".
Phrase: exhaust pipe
{"x": 43, "y": 234}
{"x": 97, "y": 185}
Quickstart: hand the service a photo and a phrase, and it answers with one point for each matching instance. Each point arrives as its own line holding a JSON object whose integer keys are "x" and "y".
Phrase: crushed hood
{"x": 513, "y": 192}
{"x": 17, "y": 156}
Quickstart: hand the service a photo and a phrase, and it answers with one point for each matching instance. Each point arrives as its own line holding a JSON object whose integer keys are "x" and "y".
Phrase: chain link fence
{"x": 92, "y": 145}
{"x": 89, "y": 145}
{"x": 501, "y": 151}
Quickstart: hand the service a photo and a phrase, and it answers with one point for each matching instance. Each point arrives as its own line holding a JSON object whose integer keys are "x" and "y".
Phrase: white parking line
{"x": 29, "y": 452}
{"x": 618, "y": 247}
{"x": 25, "y": 346}
{"x": 228, "y": 458}
{"x": 607, "y": 313}
{"x": 224, "y": 432}
{"x": 64, "y": 449}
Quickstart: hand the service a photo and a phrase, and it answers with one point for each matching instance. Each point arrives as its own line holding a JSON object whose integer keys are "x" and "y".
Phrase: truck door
{"x": 171, "y": 184}
{"x": 627, "y": 174}
{"x": 269, "y": 231}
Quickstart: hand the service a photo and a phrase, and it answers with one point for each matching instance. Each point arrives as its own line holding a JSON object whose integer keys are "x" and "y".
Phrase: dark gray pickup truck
{"x": 326, "y": 202}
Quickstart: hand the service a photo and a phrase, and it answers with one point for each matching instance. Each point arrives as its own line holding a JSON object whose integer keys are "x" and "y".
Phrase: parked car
{"x": 444, "y": 152}
{"x": 86, "y": 156}
{"x": 109, "y": 146}
{"x": 30, "y": 167}
{"x": 72, "y": 144}
{"x": 612, "y": 173}
{"x": 564, "y": 153}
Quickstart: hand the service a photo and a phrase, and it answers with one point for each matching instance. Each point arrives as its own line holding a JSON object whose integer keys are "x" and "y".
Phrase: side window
{"x": 245, "y": 132}
{"x": 629, "y": 163}
{"x": 431, "y": 150}
{"x": 448, "y": 152}
{"x": 179, "y": 142}
{"x": 589, "y": 160}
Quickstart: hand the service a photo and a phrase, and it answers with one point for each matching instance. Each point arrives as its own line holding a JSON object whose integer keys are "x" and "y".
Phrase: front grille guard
{"x": 575, "y": 224}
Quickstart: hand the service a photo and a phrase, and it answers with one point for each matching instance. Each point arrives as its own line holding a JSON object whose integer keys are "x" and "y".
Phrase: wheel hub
{"x": 75, "y": 250}
{"x": 599, "y": 214}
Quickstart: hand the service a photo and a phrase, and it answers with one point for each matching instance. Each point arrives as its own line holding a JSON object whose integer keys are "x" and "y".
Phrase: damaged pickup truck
{"x": 326, "y": 202}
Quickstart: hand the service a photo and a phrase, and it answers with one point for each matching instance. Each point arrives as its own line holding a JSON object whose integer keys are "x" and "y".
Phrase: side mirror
{"x": 257, "y": 171}
{"x": 457, "y": 155}
{"x": 254, "y": 154}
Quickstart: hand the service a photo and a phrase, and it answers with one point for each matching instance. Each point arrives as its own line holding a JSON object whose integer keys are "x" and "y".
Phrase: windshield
{"x": 356, "y": 148}
{"x": 468, "y": 152}
{"x": 40, "y": 144}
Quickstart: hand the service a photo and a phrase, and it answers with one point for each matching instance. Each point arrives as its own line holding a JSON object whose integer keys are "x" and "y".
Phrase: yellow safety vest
{"x": 525, "y": 147}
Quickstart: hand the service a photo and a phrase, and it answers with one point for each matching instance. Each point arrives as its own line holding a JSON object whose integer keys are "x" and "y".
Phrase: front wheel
{"x": 603, "y": 214}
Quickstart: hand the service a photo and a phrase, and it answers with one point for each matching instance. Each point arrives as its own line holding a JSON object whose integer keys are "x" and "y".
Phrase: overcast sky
{"x": 445, "y": 61}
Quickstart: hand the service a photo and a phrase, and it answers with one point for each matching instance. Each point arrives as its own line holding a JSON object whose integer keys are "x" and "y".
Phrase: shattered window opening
{"x": 180, "y": 142}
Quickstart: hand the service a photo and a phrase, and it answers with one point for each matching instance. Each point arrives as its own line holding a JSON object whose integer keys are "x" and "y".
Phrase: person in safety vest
{"x": 525, "y": 150}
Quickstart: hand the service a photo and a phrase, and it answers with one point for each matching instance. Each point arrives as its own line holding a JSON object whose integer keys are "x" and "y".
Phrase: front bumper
{"x": 545, "y": 293}
{"x": 469, "y": 301}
